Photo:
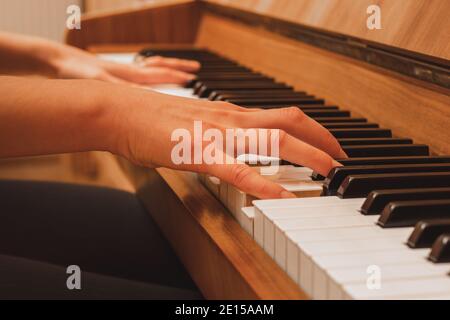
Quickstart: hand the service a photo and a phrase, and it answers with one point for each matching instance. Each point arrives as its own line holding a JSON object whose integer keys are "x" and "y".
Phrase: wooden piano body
{"x": 397, "y": 76}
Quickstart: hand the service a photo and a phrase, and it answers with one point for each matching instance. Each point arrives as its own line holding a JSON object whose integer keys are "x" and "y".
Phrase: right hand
{"x": 145, "y": 121}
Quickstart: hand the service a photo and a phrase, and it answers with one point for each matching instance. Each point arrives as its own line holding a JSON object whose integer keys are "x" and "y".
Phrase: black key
{"x": 338, "y": 174}
{"x": 358, "y": 186}
{"x": 373, "y": 141}
{"x": 385, "y": 160}
{"x": 407, "y": 213}
{"x": 440, "y": 252}
{"x": 348, "y": 125}
{"x": 378, "y": 199}
{"x": 205, "y": 91}
{"x": 392, "y": 150}
{"x": 327, "y": 113}
{"x": 218, "y": 83}
{"x": 215, "y": 95}
{"x": 223, "y": 68}
{"x": 394, "y": 160}
{"x": 427, "y": 231}
{"x": 362, "y": 133}
{"x": 253, "y": 94}
{"x": 275, "y": 101}
{"x": 242, "y": 77}
{"x": 311, "y": 107}
{"x": 340, "y": 119}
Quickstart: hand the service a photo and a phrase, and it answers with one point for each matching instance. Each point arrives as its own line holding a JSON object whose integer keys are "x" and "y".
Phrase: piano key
{"x": 359, "y": 261}
{"x": 378, "y": 199}
{"x": 263, "y": 205}
{"x": 401, "y": 289}
{"x": 252, "y": 94}
{"x": 373, "y": 141}
{"x": 245, "y": 218}
{"x": 226, "y": 76}
{"x": 205, "y": 91}
{"x": 213, "y": 185}
{"x": 275, "y": 101}
{"x": 408, "y": 213}
{"x": 357, "y": 186}
{"x": 216, "y": 95}
{"x": 308, "y": 109}
{"x": 393, "y": 150}
{"x": 427, "y": 231}
{"x": 341, "y": 277}
{"x": 220, "y": 67}
{"x": 440, "y": 252}
{"x": 348, "y": 125}
{"x": 289, "y": 258}
{"x": 361, "y": 133}
{"x": 272, "y": 216}
{"x": 249, "y": 83}
{"x": 338, "y": 174}
{"x": 321, "y": 113}
{"x": 322, "y": 120}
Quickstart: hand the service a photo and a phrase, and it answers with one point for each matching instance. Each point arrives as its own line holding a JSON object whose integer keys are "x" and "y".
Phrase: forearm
{"x": 21, "y": 54}
{"x": 54, "y": 116}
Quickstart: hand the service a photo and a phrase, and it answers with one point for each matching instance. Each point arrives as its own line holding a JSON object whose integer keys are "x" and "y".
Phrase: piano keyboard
{"x": 385, "y": 213}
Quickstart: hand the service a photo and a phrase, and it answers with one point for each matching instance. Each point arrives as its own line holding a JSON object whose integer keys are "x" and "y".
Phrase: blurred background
{"x": 47, "y": 18}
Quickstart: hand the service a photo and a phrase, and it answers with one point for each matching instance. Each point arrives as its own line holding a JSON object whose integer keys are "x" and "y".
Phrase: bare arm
{"x": 21, "y": 54}
{"x": 56, "y": 116}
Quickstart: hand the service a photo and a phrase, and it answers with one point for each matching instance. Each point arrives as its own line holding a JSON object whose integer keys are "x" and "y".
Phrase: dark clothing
{"x": 45, "y": 227}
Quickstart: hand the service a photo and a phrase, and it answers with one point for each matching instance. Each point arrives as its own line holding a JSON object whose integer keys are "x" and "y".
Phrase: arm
{"x": 21, "y": 54}
{"x": 56, "y": 116}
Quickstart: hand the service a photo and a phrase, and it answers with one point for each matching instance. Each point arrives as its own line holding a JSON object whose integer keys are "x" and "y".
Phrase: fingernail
{"x": 343, "y": 155}
{"x": 287, "y": 195}
{"x": 336, "y": 164}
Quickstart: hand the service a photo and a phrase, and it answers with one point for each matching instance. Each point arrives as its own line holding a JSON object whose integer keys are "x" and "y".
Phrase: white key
{"x": 245, "y": 219}
{"x": 401, "y": 289}
{"x": 296, "y": 238}
{"x": 314, "y": 281}
{"x": 274, "y": 214}
{"x": 213, "y": 185}
{"x": 359, "y": 275}
{"x": 324, "y": 264}
{"x": 263, "y": 205}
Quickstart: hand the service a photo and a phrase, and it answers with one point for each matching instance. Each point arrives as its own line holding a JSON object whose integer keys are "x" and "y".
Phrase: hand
{"x": 77, "y": 64}
{"x": 142, "y": 134}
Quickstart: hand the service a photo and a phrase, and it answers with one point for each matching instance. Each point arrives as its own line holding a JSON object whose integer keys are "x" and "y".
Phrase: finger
{"x": 298, "y": 124}
{"x": 166, "y": 75}
{"x": 172, "y": 63}
{"x": 279, "y": 144}
{"x": 248, "y": 180}
{"x": 297, "y": 151}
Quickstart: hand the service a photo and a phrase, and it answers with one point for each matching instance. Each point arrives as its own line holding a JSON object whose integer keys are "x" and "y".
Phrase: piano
{"x": 376, "y": 228}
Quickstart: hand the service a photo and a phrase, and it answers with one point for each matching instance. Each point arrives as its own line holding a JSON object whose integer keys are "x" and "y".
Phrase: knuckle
{"x": 293, "y": 114}
{"x": 239, "y": 174}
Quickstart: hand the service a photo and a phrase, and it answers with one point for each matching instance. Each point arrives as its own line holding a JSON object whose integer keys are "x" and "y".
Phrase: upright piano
{"x": 376, "y": 228}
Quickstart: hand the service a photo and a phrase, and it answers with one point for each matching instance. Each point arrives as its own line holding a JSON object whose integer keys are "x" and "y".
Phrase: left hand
{"x": 73, "y": 63}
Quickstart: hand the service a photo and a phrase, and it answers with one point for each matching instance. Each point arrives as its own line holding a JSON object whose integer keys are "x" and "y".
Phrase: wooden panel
{"x": 410, "y": 108}
{"x": 222, "y": 259}
{"x": 174, "y": 22}
{"x": 417, "y": 25}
